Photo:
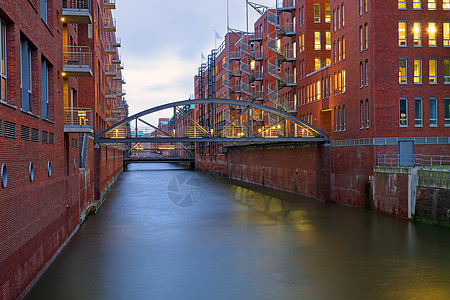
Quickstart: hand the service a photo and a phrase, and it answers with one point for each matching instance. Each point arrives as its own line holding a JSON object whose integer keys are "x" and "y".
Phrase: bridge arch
{"x": 274, "y": 125}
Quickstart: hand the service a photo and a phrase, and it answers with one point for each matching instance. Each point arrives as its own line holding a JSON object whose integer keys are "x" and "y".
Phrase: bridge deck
{"x": 157, "y": 159}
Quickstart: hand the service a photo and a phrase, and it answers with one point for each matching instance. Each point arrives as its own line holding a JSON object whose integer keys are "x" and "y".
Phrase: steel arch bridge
{"x": 215, "y": 120}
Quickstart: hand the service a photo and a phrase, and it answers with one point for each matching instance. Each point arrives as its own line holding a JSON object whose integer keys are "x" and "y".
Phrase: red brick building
{"x": 373, "y": 75}
{"x": 58, "y": 89}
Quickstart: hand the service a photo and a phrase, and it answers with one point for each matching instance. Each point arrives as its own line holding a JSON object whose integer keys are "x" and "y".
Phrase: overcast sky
{"x": 162, "y": 43}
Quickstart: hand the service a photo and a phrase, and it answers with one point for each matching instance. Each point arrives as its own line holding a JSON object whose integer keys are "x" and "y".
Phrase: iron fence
{"x": 413, "y": 160}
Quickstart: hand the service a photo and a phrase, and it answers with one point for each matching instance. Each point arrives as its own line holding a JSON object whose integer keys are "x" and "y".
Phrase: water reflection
{"x": 245, "y": 242}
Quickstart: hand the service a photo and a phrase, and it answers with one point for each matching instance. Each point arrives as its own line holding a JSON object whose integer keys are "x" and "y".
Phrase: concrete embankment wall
{"x": 413, "y": 193}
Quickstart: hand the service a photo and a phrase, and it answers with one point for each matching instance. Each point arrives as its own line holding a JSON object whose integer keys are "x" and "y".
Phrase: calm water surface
{"x": 241, "y": 241}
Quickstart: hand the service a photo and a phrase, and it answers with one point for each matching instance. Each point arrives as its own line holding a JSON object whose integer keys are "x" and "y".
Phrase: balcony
{"x": 256, "y": 37}
{"x": 110, "y": 4}
{"x": 77, "y": 12}
{"x": 78, "y": 120}
{"x": 111, "y": 70}
{"x": 286, "y": 5}
{"x": 110, "y": 93}
{"x": 109, "y": 48}
{"x": 110, "y": 24}
{"x": 77, "y": 61}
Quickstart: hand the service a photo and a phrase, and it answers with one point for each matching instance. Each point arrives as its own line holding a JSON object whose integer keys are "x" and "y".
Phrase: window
{"x": 433, "y": 112}
{"x": 367, "y": 71}
{"x": 432, "y": 34}
{"x": 402, "y": 33}
{"x": 367, "y": 113}
{"x": 302, "y": 42}
{"x": 334, "y": 52}
{"x": 328, "y": 61}
{"x": 432, "y": 66}
{"x": 338, "y": 15}
{"x": 317, "y": 63}
{"x": 44, "y": 10}
{"x": 432, "y": 5}
{"x": 361, "y": 74}
{"x": 417, "y": 70}
{"x": 343, "y": 118}
{"x": 418, "y": 112}
{"x": 446, "y": 4}
{"x": 25, "y": 83}
{"x": 317, "y": 44}
{"x": 416, "y": 4}
{"x": 366, "y": 7}
{"x": 3, "y": 61}
{"x": 446, "y": 33}
{"x": 403, "y": 112}
{"x": 334, "y": 20}
{"x": 316, "y": 12}
{"x": 361, "y": 111}
{"x": 417, "y": 33}
{"x": 447, "y": 111}
{"x": 328, "y": 40}
{"x": 447, "y": 70}
{"x": 402, "y": 68}
{"x": 45, "y": 81}
{"x": 340, "y": 118}
{"x": 343, "y": 15}
{"x": 339, "y": 49}
{"x": 401, "y": 4}
{"x": 340, "y": 82}
{"x": 360, "y": 7}
{"x": 343, "y": 81}
{"x": 366, "y": 36}
{"x": 343, "y": 47}
{"x": 360, "y": 38}
{"x": 335, "y": 119}
{"x": 327, "y": 13}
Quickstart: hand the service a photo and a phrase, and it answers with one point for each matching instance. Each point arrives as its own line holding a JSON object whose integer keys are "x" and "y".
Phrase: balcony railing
{"x": 235, "y": 55}
{"x": 111, "y": 70}
{"x": 77, "y": 61}
{"x": 77, "y": 11}
{"x": 440, "y": 162}
{"x": 286, "y": 4}
{"x": 110, "y": 4}
{"x": 110, "y": 47}
{"x": 110, "y": 24}
{"x": 78, "y": 119}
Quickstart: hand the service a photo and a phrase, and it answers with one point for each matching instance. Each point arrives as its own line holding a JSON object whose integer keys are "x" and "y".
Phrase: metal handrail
{"x": 110, "y": 22}
{"x": 77, "y": 4}
{"x": 77, "y": 56}
{"x": 74, "y": 116}
{"x": 414, "y": 160}
{"x": 285, "y": 3}
{"x": 109, "y": 2}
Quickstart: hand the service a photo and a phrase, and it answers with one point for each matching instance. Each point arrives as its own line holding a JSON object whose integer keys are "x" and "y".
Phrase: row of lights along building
{"x": 373, "y": 75}
{"x": 61, "y": 83}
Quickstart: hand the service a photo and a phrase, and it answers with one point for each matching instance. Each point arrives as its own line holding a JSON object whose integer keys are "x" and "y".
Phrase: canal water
{"x": 170, "y": 233}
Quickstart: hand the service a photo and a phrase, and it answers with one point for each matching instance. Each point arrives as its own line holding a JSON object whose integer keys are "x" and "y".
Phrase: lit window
{"x": 418, "y": 112}
{"x": 327, "y": 13}
{"x": 343, "y": 15}
{"x": 446, "y": 33}
{"x": 401, "y": 4}
{"x": 361, "y": 37}
{"x": 402, "y": 33}
{"x": 3, "y": 61}
{"x": 402, "y": 75}
{"x": 343, "y": 81}
{"x": 432, "y": 34}
{"x": 327, "y": 40}
{"x": 317, "y": 43}
{"x": 417, "y": 30}
{"x": 340, "y": 82}
{"x": 446, "y": 4}
{"x": 317, "y": 63}
{"x": 316, "y": 12}
{"x": 416, "y": 4}
{"x": 447, "y": 111}
{"x": 433, "y": 112}
{"x": 447, "y": 70}
{"x": 328, "y": 61}
{"x": 366, "y": 6}
{"x": 432, "y": 5}
{"x": 432, "y": 64}
{"x": 360, "y": 7}
{"x": 417, "y": 70}
{"x": 403, "y": 112}
{"x": 339, "y": 49}
{"x": 334, "y": 20}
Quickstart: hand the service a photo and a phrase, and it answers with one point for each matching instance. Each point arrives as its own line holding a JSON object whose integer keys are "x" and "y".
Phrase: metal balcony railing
{"x": 111, "y": 70}
{"x": 235, "y": 55}
{"x": 290, "y": 54}
{"x": 110, "y": 24}
{"x": 77, "y": 4}
{"x": 286, "y": 4}
{"x": 439, "y": 162}
{"x": 110, "y": 4}
{"x": 77, "y": 11}
{"x": 78, "y": 117}
{"x": 77, "y": 61}
{"x": 257, "y": 36}
{"x": 259, "y": 95}
{"x": 290, "y": 80}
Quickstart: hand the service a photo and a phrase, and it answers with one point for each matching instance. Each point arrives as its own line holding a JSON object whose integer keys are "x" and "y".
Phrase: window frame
{"x": 403, "y": 39}
{"x": 405, "y": 104}
{"x": 435, "y": 77}
{"x": 417, "y": 4}
{"x": 433, "y": 121}
{"x": 447, "y": 111}
{"x": 317, "y": 18}
{"x": 405, "y": 59}
{"x": 3, "y": 63}
{"x": 446, "y": 33}
{"x": 418, "y": 79}
{"x": 317, "y": 46}
{"x": 446, "y": 70}
{"x": 418, "y": 112}
{"x": 432, "y": 42}
{"x": 402, "y": 4}
{"x": 367, "y": 113}
{"x": 417, "y": 40}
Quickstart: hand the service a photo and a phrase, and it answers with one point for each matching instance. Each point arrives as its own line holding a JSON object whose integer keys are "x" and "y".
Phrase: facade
{"x": 60, "y": 84}
{"x": 373, "y": 75}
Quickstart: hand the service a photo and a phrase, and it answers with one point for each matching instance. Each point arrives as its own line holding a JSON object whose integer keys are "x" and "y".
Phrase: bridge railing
{"x": 441, "y": 162}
